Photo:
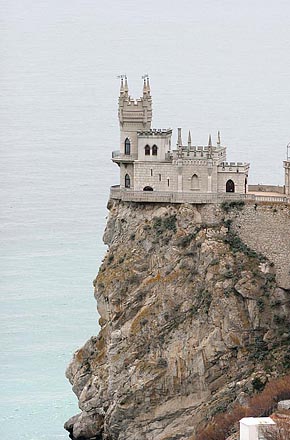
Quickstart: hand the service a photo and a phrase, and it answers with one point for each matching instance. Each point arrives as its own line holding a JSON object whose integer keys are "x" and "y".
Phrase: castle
{"x": 187, "y": 173}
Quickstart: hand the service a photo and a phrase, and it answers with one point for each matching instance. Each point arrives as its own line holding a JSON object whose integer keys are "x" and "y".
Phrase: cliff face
{"x": 194, "y": 304}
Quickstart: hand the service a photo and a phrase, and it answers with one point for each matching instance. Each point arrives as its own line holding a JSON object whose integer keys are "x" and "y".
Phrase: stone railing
{"x": 128, "y": 195}
{"x": 117, "y": 155}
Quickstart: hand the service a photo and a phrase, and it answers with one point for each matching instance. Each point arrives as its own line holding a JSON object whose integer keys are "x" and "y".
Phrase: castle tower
{"x": 134, "y": 115}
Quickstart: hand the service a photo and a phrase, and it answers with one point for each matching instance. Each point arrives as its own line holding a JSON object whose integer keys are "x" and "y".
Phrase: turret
{"x": 134, "y": 115}
{"x": 189, "y": 140}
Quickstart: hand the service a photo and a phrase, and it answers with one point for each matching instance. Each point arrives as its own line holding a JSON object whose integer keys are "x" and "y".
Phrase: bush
{"x": 258, "y": 385}
{"x": 235, "y": 204}
{"x": 261, "y": 304}
{"x": 280, "y": 431}
{"x": 162, "y": 224}
{"x": 262, "y": 404}
{"x": 237, "y": 245}
{"x": 186, "y": 240}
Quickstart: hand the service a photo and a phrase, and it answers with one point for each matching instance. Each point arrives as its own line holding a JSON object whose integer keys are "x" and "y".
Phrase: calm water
{"x": 214, "y": 64}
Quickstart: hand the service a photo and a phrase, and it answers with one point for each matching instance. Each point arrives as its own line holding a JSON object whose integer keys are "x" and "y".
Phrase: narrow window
{"x": 167, "y": 182}
{"x": 127, "y": 147}
{"x": 159, "y": 177}
{"x": 151, "y": 172}
{"x": 127, "y": 181}
{"x": 154, "y": 150}
{"x": 147, "y": 150}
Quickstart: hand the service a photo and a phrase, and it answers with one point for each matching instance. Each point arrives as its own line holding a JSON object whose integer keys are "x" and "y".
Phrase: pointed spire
{"x": 179, "y": 140}
{"x": 144, "y": 86}
{"x": 209, "y": 154}
{"x": 219, "y": 138}
{"x": 148, "y": 86}
{"x": 122, "y": 86}
{"x": 189, "y": 139}
{"x": 126, "y": 86}
{"x": 209, "y": 141}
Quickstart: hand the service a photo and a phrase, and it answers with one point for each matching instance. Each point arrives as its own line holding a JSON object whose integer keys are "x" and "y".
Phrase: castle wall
{"x": 129, "y": 131}
{"x": 162, "y": 143}
{"x": 126, "y": 169}
{"x": 145, "y": 177}
{"x": 237, "y": 178}
{"x": 200, "y": 169}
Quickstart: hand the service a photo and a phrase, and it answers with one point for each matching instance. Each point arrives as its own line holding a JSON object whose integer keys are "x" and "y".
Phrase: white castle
{"x": 149, "y": 163}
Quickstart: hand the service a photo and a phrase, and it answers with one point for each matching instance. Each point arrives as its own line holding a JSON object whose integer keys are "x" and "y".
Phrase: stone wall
{"x": 266, "y": 229}
{"x": 267, "y": 188}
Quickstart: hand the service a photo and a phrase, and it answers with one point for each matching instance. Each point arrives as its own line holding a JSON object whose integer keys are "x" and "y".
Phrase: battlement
{"x": 155, "y": 132}
{"x": 132, "y": 103}
{"x": 233, "y": 166}
{"x": 199, "y": 152}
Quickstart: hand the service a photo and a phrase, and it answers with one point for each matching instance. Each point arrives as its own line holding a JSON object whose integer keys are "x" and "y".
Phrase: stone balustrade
{"x": 128, "y": 195}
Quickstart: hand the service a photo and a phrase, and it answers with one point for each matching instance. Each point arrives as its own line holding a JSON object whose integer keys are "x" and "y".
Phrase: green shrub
{"x": 162, "y": 224}
{"x": 261, "y": 304}
{"x": 258, "y": 385}
{"x": 234, "y": 204}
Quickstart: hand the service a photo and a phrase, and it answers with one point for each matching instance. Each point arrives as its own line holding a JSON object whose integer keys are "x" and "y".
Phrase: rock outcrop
{"x": 191, "y": 312}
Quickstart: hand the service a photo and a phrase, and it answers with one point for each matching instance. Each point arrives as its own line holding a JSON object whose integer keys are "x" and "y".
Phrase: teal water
{"x": 213, "y": 64}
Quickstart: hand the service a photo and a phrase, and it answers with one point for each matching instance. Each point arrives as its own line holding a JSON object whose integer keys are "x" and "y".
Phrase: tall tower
{"x": 134, "y": 115}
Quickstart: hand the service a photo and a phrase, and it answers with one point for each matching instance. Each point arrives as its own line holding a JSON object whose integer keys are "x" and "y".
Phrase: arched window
{"x": 147, "y": 150}
{"x": 194, "y": 182}
{"x": 230, "y": 186}
{"x": 154, "y": 150}
{"x": 127, "y": 147}
{"x": 127, "y": 181}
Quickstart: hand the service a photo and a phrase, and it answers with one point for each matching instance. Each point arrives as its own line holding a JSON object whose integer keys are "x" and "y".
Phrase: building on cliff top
{"x": 151, "y": 169}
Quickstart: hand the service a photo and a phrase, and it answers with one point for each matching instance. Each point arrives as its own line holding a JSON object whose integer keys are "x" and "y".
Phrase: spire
{"x": 144, "y": 86}
{"x": 219, "y": 138}
{"x": 179, "y": 140}
{"x": 122, "y": 86}
{"x": 209, "y": 154}
{"x": 148, "y": 85}
{"x": 209, "y": 141}
{"x": 189, "y": 140}
{"x": 126, "y": 86}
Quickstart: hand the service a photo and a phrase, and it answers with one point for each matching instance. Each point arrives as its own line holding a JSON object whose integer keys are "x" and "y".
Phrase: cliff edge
{"x": 194, "y": 304}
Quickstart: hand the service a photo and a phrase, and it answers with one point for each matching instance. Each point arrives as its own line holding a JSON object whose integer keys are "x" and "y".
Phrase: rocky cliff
{"x": 194, "y": 307}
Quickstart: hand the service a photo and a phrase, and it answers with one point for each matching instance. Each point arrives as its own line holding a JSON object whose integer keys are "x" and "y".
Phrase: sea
{"x": 213, "y": 65}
